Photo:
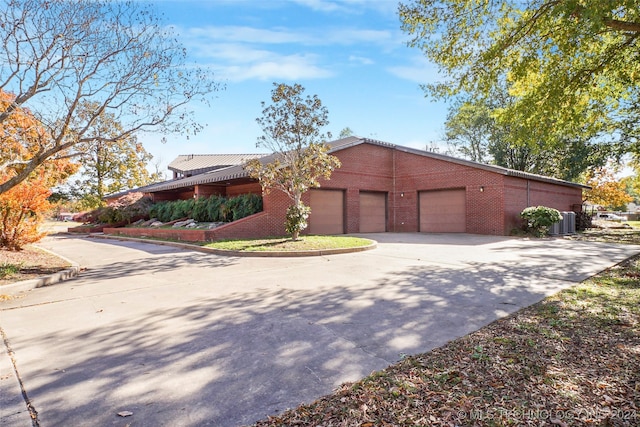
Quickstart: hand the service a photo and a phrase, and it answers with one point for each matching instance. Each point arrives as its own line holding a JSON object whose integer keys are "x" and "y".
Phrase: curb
{"x": 39, "y": 282}
{"x": 223, "y": 252}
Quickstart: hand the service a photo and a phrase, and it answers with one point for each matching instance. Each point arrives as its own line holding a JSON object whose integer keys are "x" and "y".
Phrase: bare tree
{"x": 57, "y": 55}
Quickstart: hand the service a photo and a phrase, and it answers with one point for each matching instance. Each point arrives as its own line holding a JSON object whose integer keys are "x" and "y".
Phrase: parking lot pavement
{"x": 184, "y": 338}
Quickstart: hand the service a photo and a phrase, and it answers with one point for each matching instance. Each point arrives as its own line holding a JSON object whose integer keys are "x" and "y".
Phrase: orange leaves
{"x": 21, "y": 211}
{"x": 606, "y": 190}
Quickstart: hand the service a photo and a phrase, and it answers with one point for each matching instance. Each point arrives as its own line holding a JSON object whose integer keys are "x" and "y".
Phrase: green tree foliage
{"x": 116, "y": 55}
{"x": 474, "y": 131}
{"x": 109, "y": 164}
{"x": 291, "y": 127}
{"x": 571, "y": 66}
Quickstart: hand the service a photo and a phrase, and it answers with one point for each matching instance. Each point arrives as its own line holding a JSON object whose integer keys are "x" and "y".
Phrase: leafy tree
{"x": 345, "y": 132}
{"x": 571, "y": 66}
{"x": 606, "y": 190}
{"x": 23, "y": 206}
{"x": 109, "y": 164}
{"x": 291, "y": 126}
{"x": 116, "y": 55}
{"x": 475, "y": 130}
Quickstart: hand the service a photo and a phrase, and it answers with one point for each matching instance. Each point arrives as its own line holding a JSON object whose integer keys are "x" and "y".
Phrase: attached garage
{"x": 373, "y": 212}
{"x": 443, "y": 211}
{"x": 327, "y": 212}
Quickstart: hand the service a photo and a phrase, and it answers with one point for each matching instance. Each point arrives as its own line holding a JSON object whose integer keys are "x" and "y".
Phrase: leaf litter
{"x": 571, "y": 360}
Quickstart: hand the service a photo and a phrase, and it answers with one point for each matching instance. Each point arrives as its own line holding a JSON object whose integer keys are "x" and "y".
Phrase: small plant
{"x": 7, "y": 269}
{"x": 539, "y": 219}
{"x": 297, "y": 216}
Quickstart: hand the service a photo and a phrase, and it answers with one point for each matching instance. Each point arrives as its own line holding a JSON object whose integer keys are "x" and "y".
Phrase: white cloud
{"x": 239, "y": 53}
{"x": 349, "y": 6}
{"x": 279, "y": 36}
{"x": 419, "y": 70}
{"x": 275, "y": 67}
{"x": 360, "y": 60}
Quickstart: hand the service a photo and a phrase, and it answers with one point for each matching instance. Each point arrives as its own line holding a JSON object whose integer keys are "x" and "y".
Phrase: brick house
{"x": 384, "y": 187}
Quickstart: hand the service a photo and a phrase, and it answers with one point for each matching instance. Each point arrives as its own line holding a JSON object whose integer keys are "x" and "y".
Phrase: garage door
{"x": 373, "y": 212}
{"x": 443, "y": 211}
{"x": 327, "y": 212}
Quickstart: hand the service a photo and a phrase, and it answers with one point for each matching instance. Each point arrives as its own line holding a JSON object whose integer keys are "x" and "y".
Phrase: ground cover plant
{"x": 284, "y": 244}
{"x": 572, "y": 359}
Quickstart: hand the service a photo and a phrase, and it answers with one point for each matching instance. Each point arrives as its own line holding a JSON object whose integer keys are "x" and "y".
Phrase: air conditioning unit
{"x": 567, "y": 225}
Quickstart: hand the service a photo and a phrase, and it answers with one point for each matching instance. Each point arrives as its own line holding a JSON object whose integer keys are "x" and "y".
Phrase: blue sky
{"x": 351, "y": 53}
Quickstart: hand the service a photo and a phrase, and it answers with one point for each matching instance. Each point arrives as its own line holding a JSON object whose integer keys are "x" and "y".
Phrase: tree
{"x": 346, "y": 132}
{"x": 606, "y": 190}
{"x": 57, "y": 55}
{"x": 571, "y": 66}
{"x": 475, "y": 130}
{"x": 22, "y": 207}
{"x": 109, "y": 164}
{"x": 291, "y": 127}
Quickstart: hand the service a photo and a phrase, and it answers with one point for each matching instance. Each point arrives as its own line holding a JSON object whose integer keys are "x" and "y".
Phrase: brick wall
{"x": 493, "y": 200}
{"x": 522, "y": 193}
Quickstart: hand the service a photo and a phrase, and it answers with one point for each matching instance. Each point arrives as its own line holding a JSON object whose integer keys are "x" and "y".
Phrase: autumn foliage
{"x": 22, "y": 207}
{"x": 606, "y": 190}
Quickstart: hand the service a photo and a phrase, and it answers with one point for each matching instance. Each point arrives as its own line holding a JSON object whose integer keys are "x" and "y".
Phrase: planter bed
{"x": 183, "y": 235}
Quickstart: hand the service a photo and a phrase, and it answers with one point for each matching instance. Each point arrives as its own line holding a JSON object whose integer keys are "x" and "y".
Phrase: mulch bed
{"x": 32, "y": 263}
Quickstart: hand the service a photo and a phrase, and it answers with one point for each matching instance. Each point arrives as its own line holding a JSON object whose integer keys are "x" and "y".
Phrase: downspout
{"x": 528, "y": 193}
{"x": 394, "y": 207}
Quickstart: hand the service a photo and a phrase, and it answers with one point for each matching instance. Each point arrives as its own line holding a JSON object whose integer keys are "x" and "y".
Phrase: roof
{"x": 202, "y": 162}
{"x": 341, "y": 144}
{"x": 226, "y": 174}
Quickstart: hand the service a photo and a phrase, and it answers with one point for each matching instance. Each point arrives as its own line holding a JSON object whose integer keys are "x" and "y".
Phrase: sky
{"x": 352, "y": 54}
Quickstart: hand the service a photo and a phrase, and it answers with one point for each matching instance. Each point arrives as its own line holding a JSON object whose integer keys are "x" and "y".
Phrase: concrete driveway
{"x": 182, "y": 338}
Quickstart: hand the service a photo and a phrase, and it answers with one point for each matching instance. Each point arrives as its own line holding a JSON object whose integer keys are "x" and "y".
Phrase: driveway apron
{"x": 181, "y": 338}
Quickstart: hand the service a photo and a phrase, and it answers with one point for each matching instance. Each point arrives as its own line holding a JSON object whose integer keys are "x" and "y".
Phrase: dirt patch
{"x": 29, "y": 263}
{"x": 609, "y": 235}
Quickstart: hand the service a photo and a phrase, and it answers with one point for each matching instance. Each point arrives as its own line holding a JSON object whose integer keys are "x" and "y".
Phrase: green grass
{"x": 285, "y": 244}
{"x": 7, "y": 270}
{"x": 634, "y": 224}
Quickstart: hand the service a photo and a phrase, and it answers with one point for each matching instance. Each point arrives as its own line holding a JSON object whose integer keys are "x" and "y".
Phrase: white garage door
{"x": 373, "y": 212}
{"x": 443, "y": 211}
{"x": 327, "y": 212}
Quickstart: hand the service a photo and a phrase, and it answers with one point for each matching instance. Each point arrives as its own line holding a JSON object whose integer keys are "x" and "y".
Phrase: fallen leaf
{"x": 125, "y": 413}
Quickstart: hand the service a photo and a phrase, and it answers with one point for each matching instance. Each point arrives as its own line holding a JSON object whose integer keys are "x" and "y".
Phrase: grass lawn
{"x": 634, "y": 224}
{"x": 572, "y": 359}
{"x": 285, "y": 244}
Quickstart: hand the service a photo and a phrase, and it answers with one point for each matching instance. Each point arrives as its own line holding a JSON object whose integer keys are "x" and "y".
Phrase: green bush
{"x": 128, "y": 208}
{"x": 539, "y": 219}
{"x": 212, "y": 209}
{"x": 297, "y": 217}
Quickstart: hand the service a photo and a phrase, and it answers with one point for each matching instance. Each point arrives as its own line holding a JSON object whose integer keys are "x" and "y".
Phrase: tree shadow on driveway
{"x": 235, "y": 359}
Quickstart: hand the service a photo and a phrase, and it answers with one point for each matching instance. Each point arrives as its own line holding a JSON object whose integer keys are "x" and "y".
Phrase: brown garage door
{"x": 373, "y": 212}
{"x": 443, "y": 211}
{"x": 327, "y": 212}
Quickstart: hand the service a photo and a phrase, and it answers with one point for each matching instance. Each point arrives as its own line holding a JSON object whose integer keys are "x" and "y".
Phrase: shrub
{"x": 583, "y": 221}
{"x": 297, "y": 216}
{"x": 212, "y": 209}
{"x": 538, "y": 219}
{"x": 128, "y": 208}
{"x": 22, "y": 210}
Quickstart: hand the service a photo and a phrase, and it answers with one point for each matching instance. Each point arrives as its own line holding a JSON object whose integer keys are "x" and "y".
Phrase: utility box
{"x": 567, "y": 225}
